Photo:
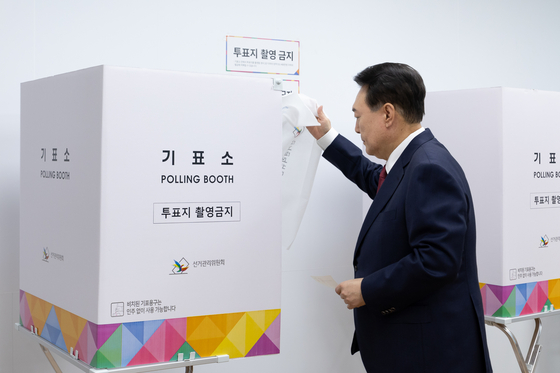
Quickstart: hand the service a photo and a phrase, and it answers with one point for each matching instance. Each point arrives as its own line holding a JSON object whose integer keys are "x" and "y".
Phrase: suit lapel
{"x": 390, "y": 185}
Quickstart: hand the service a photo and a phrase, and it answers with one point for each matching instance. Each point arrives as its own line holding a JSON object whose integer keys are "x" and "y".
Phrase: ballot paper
{"x": 326, "y": 280}
{"x": 300, "y": 157}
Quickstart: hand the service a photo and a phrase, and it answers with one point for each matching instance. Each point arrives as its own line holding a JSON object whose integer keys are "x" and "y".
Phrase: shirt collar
{"x": 400, "y": 149}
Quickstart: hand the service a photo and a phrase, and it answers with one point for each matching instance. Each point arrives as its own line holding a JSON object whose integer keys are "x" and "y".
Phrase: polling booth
{"x": 506, "y": 140}
{"x": 151, "y": 215}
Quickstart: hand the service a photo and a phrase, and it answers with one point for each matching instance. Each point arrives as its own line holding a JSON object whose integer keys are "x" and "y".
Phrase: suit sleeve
{"x": 436, "y": 216}
{"x": 349, "y": 159}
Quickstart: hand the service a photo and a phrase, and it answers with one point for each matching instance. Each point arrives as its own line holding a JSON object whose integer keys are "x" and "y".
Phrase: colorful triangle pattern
{"x": 241, "y": 334}
{"x": 521, "y": 299}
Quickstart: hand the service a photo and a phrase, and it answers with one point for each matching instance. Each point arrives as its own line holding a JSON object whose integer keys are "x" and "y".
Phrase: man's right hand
{"x": 320, "y": 131}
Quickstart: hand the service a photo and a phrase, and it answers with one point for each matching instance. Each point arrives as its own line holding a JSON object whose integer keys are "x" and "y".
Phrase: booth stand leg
{"x": 529, "y": 363}
{"x": 51, "y": 359}
{"x": 189, "y": 369}
{"x": 534, "y": 347}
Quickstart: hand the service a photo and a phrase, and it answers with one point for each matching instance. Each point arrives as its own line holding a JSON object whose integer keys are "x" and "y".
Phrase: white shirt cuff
{"x": 327, "y": 139}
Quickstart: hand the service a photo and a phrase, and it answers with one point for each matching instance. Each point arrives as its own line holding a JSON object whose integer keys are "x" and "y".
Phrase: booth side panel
{"x": 531, "y": 204}
{"x": 60, "y": 189}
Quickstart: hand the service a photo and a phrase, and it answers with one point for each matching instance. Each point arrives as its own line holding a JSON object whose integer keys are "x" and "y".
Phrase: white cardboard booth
{"x": 151, "y": 214}
{"x": 506, "y": 140}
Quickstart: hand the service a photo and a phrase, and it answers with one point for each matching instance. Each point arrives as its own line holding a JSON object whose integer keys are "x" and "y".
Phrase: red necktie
{"x": 382, "y": 177}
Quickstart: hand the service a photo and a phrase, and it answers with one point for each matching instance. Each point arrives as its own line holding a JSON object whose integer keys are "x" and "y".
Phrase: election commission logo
{"x": 180, "y": 267}
{"x": 547, "y": 242}
{"x": 46, "y": 254}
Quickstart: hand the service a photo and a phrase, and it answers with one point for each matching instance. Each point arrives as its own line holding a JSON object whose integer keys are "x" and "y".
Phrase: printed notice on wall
{"x": 257, "y": 55}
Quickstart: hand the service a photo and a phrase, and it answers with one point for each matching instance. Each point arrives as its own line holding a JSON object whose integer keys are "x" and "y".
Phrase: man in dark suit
{"x": 416, "y": 298}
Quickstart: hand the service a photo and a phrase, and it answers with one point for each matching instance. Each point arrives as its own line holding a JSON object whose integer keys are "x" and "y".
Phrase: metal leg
{"x": 534, "y": 347}
{"x": 528, "y": 364}
{"x": 51, "y": 359}
{"x": 189, "y": 369}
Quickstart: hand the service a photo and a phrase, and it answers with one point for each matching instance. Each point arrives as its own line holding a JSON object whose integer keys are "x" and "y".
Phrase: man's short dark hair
{"x": 397, "y": 84}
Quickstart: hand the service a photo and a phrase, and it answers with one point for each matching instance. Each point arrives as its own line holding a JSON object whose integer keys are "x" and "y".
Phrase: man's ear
{"x": 389, "y": 113}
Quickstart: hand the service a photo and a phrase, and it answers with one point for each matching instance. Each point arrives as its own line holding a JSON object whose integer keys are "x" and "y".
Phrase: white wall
{"x": 454, "y": 44}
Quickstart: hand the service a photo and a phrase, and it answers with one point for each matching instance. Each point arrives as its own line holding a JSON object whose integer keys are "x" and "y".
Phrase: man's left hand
{"x": 351, "y": 292}
{"x": 325, "y": 124}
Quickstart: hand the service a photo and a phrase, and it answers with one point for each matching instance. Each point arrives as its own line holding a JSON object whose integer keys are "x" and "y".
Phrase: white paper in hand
{"x": 326, "y": 280}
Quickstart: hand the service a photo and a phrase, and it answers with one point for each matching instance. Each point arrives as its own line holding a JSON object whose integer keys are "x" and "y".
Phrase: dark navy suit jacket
{"x": 416, "y": 253}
